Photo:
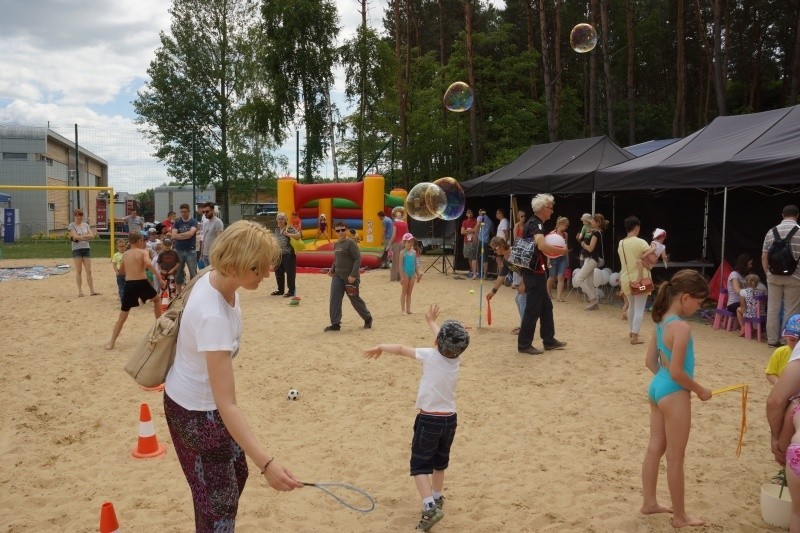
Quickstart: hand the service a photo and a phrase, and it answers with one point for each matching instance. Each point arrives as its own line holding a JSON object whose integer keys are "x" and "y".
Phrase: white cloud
{"x": 81, "y": 61}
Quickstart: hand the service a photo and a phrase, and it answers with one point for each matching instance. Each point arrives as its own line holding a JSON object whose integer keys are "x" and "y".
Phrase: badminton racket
{"x": 345, "y": 487}
{"x": 488, "y": 310}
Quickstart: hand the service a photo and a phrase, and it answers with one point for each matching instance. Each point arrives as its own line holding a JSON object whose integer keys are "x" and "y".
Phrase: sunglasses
{"x": 340, "y": 230}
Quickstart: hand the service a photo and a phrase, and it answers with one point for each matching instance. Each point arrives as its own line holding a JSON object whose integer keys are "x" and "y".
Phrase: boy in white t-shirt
{"x": 436, "y": 419}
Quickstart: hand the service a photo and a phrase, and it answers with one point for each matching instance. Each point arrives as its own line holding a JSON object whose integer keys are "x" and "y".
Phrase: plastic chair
{"x": 758, "y": 320}
{"x": 723, "y": 318}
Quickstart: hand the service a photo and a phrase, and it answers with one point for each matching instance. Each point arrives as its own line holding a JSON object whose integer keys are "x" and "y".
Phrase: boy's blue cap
{"x": 452, "y": 339}
{"x": 792, "y": 328}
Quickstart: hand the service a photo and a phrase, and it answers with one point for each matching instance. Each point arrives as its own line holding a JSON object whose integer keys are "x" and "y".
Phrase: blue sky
{"x": 82, "y": 61}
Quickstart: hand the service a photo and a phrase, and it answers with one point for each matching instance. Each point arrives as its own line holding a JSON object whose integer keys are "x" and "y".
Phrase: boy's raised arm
{"x": 431, "y": 315}
{"x": 396, "y": 349}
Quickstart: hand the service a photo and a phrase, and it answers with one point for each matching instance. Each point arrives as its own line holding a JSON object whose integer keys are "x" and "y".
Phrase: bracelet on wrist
{"x": 494, "y": 290}
{"x": 263, "y": 470}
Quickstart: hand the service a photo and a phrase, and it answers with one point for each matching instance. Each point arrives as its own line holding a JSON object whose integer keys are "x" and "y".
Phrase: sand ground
{"x": 545, "y": 443}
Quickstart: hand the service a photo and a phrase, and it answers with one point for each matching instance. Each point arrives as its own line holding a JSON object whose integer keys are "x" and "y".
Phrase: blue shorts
{"x": 433, "y": 437}
{"x": 558, "y": 266}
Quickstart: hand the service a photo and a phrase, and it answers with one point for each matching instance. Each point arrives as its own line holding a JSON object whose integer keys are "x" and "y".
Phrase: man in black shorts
{"x": 134, "y": 263}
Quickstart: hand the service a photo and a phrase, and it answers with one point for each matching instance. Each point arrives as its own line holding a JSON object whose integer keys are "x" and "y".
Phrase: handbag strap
{"x": 622, "y": 244}
{"x": 179, "y": 300}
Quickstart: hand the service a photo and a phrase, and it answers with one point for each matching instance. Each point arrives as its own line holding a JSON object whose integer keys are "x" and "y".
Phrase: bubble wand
{"x": 743, "y": 429}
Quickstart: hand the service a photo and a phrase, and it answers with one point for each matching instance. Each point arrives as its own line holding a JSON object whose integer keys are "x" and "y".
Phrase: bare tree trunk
{"x": 402, "y": 97}
{"x": 557, "y": 69}
{"x": 719, "y": 79}
{"x": 757, "y": 45}
{"x": 795, "y": 88}
{"x": 592, "y": 76}
{"x": 552, "y": 132}
{"x": 531, "y": 29}
{"x": 332, "y": 132}
{"x": 631, "y": 65}
{"x": 362, "y": 104}
{"x": 678, "y": 119}
{"x": 701, "y": 29}
{"x": 473, "y": 128}
{"x": 607, "y": 68}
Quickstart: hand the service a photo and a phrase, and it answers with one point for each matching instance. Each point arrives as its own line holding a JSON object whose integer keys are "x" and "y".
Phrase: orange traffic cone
{"x": 108, "y": 518}
{"x": 148, "y": 445}
{"x": 164, "y": 300}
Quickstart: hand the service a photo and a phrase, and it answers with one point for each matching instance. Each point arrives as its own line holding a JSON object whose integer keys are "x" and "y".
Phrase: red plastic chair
{"x": 723, "y": 318}
{"x": 758, "y": 320}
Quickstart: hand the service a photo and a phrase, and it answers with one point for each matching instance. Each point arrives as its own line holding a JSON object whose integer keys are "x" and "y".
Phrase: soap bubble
{"x": 424, "y": 201}
{"x": 456, "y": 201}
{"x": 458, "y": 97}
{"x": 583, "y": 38}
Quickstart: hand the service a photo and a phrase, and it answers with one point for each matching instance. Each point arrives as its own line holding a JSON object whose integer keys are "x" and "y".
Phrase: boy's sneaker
{"x": 429, "y": 518}
{"x": 439, "y": 502}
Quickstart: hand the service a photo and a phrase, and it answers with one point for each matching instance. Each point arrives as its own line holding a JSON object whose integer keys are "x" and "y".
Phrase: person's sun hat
{"x": 659, "y": 233}
{"x": 452, "y": 338}
{"x": 152, "y": 230}
{"x": 586, "y": 217}
{"x": 408, "y": 237}
{"x": 792, "y": 328}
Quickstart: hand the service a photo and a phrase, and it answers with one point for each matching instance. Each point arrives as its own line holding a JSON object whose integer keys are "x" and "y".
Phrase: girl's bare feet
{"x": 408, "y": 311}
{"x": 687, "y": 522}
{"x": 109, "y": 346}
{"x": 655, "y": 509}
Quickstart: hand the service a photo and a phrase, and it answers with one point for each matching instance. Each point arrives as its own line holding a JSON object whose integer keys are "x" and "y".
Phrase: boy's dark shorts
{"x": 82, "y": 252}
{"x": 430, "y": 448}
{"x": 135, "y": 290}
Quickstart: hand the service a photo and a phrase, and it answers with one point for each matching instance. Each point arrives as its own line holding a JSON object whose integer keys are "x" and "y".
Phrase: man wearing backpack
{"x": 779, "y": 256}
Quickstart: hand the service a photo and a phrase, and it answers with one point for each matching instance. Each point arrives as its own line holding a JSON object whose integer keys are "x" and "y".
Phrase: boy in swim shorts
{"x": 135, "y": 263}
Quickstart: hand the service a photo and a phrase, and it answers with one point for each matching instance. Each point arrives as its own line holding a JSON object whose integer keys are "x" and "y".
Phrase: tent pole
{"x": 613, "y": 229}
{"x": 722, "y": 280}
{"x": 705, "y": 227}
{"x": 593, "y": 201}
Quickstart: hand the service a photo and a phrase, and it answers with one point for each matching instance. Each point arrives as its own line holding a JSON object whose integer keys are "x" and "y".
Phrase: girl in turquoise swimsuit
{"x": 670, "y": 357}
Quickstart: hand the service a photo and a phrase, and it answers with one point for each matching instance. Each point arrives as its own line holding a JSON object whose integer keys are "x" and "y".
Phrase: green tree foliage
{"x": 296, "y": 55}
{"x": 191, "y": 109}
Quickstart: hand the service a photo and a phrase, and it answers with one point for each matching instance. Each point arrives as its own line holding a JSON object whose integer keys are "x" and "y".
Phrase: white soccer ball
{"x": 293, "y": 394}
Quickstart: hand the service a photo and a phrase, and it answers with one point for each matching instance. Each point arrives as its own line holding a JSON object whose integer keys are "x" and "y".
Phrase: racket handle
{"x": 308, "y": 484}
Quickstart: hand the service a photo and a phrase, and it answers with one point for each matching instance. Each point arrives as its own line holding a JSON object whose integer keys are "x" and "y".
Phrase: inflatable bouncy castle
{"x": 356, "y": 204}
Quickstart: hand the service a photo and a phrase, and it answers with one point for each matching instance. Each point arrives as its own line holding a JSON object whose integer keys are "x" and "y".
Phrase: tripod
{"x": 445, "y": 259}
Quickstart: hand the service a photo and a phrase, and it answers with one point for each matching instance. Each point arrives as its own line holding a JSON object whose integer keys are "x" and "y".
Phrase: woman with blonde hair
{"x": 592, "y": 245}
{"x": 208, "y": 428}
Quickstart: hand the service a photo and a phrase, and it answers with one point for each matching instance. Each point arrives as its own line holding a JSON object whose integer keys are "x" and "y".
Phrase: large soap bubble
{"x": 425, "y": 201}
{"x": 583, "y": 38}
{"x": 458, "y": 97}
{"x": 456, "y": 201}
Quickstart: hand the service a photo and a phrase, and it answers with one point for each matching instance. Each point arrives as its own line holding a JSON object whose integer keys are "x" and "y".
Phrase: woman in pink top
{"x": 400, "y": 229}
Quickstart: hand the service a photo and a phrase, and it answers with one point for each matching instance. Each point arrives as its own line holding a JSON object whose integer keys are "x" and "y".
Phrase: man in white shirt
{"x": 502, "y": 232}
{"x": 783, "y": 290}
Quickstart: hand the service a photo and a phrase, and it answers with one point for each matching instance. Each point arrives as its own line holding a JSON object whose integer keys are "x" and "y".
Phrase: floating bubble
{"x": 583, "y": 38}
{"x": 458, "y": 97}
{"x": 456, "y": 201}
{"x": 424, "y": 201}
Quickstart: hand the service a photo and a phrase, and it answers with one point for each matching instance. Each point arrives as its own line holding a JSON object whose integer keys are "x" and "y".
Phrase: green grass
{"x": 47, "y": 249}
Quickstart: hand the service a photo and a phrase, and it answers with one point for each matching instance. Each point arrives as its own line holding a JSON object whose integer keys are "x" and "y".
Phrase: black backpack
{"x": 780, "y": 259}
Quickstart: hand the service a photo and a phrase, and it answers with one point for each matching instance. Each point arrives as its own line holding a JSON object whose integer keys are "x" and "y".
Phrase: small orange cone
{"x": 164, "y": 300}
{"x": 148, "y": 445}
{"x": 108, "y": 518}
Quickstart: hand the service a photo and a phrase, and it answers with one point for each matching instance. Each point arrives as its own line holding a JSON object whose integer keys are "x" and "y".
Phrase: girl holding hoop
{"x": 670, "y": 357}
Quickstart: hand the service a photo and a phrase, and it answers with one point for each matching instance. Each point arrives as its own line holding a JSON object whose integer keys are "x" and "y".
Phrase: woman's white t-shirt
{"x": 733, "y": 294}
{"x": 437, "y": 387}
{"x": 208, "y": 323}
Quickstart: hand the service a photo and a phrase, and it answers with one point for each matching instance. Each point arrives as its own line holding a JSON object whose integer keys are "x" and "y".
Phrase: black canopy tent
{"x": 757, "y": 155}
{"x": 564, "y": 167}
